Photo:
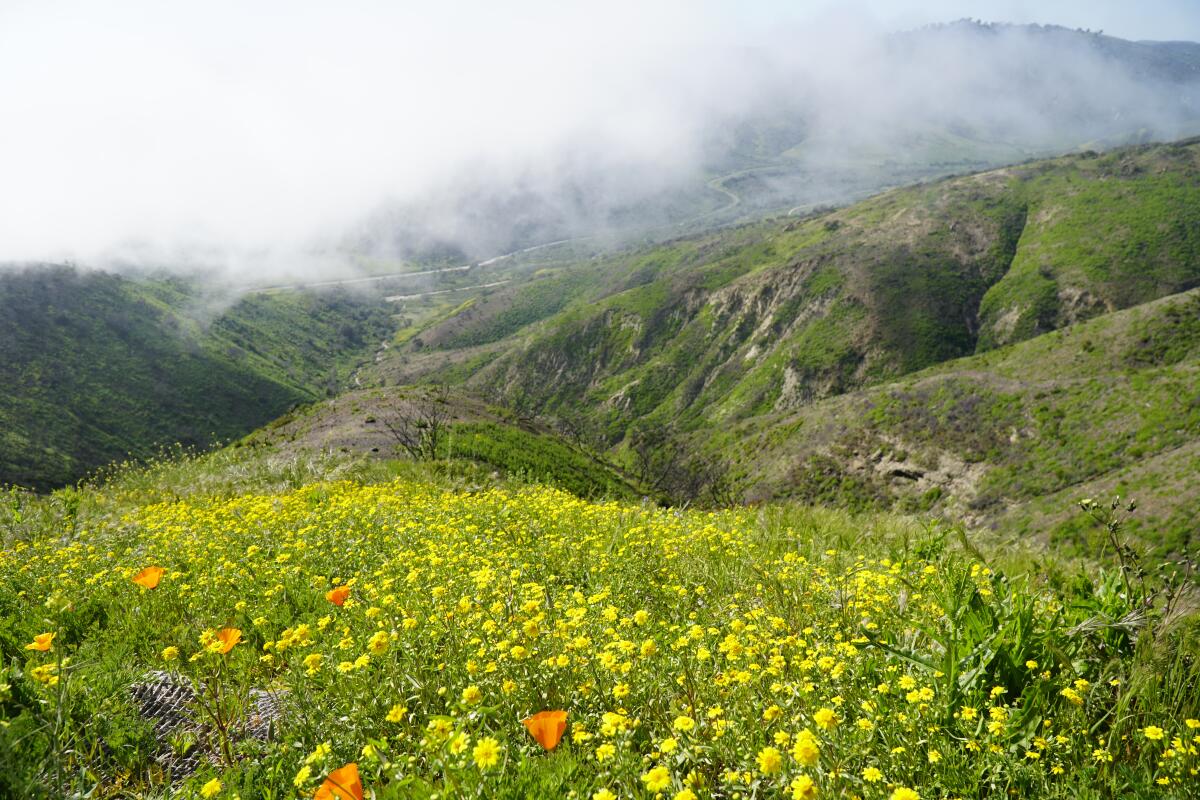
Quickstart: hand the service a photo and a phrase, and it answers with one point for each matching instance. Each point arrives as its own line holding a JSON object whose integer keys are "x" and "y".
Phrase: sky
{"x": 238, "y": 133}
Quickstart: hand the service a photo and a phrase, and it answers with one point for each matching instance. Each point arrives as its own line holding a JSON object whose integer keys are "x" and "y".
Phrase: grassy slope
{"x": 99, "y": 368}
{"x": 1013, "y": 437}
{"x": 477, "y": 433}
{"x": 1103, "y": 233}
{"x": 309, "y": 341}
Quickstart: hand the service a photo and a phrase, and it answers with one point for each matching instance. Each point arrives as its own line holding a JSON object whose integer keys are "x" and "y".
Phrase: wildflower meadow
{"x": 426, "y": 640}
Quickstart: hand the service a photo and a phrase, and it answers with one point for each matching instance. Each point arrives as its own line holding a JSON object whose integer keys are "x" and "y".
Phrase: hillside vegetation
{"x": 772, "y": 315}
{"x": 470, "y": 432}
{"x": 1011, "y": 438}
{"x": 405, "y": 628}
{"x": 99, "y": 368}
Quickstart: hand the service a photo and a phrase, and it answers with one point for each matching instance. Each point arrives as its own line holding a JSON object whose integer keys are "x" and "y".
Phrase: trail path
{"x": 398, "y": 297}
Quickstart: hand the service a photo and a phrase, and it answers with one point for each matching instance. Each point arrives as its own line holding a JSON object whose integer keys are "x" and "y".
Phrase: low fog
{"x": 293, "y": 139}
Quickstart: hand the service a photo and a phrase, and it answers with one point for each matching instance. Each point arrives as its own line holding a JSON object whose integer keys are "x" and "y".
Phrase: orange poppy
{"x": 149, "y": 577}
{"x": 547, "y": 727}
{"x": 338, "y": 595}
{"x": 228, "y": 637}
{"x": 342, "y": 784}
{"x": 41, "y": 642}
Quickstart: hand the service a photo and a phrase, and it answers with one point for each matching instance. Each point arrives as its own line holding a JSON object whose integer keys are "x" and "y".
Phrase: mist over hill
{"x": 823, "y": 124}
{"x": 360, "y": 139}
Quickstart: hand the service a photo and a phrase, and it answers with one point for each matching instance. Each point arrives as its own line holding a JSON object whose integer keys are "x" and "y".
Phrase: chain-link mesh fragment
{"x": 185, "y": 739}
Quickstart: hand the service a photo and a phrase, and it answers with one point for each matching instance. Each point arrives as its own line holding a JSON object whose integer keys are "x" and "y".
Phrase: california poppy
{"x": 149, "y": 577}
{"x": 338, "y": 595}
{"x": 228, "y": 637}
{"x": 547, "y": 727}
{"x": 342, "y": 784}
{"x": 41, "y": 642}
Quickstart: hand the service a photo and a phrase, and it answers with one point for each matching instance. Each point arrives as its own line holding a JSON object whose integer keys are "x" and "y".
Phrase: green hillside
{"x": 99, "y": 368}
{"x": 1012, "y": 438}
{"x": 773, "y": 315}
{"x": 470, "y": 432}
{"x": 1102, "y": 232}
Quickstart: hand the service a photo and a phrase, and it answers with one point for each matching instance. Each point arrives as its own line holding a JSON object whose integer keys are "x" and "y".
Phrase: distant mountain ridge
{"x": 1171, "y": 60}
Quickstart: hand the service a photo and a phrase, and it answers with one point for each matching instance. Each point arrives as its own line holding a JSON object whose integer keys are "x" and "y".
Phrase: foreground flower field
{"x": 412, "y": 634}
